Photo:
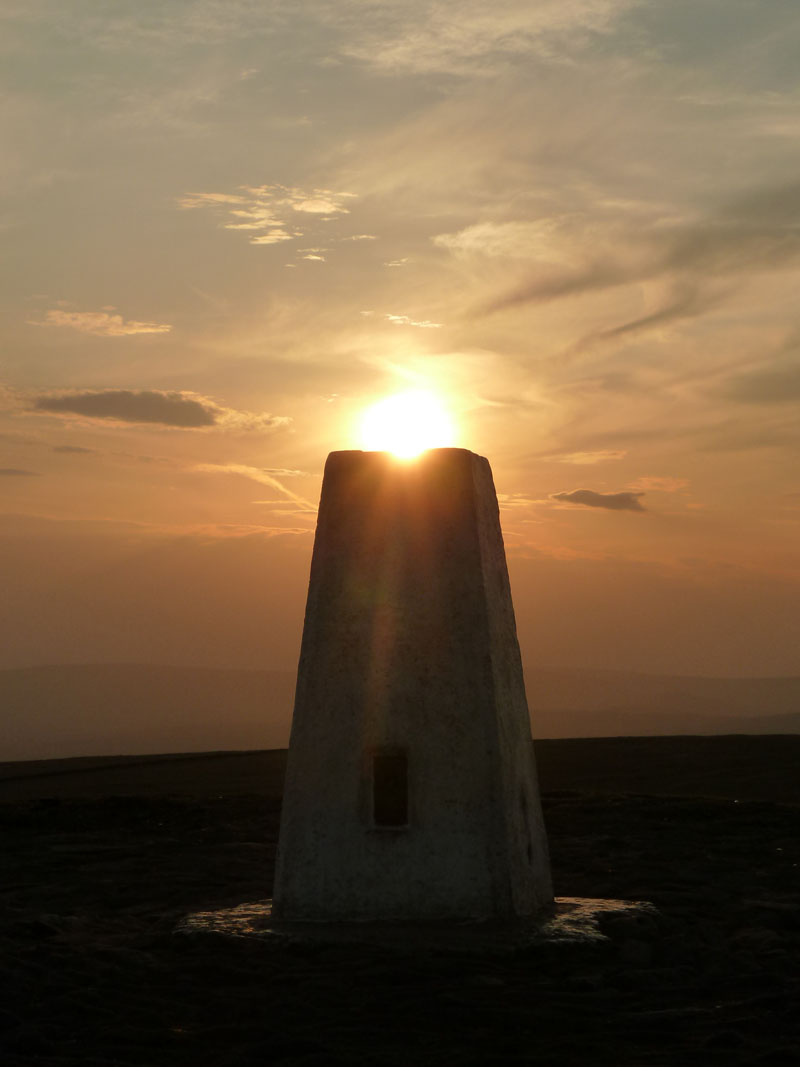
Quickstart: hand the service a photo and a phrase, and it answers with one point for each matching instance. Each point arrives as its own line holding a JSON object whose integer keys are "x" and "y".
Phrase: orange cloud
{"x": 180, "y": 410}
{"x": 588, "y": 498}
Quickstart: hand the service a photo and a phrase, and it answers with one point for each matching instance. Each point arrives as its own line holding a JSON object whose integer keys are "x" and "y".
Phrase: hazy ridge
{"x": 104, "y": 709}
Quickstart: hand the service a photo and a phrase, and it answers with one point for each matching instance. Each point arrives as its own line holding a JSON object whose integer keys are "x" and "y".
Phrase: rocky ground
{"x": 94, "y": 973}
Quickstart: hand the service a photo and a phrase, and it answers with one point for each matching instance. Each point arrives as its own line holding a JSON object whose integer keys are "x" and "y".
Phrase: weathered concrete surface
{"x": 410, "y": 647}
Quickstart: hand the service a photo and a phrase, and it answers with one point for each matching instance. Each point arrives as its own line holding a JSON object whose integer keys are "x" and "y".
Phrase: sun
{"x": 406, "y": 424}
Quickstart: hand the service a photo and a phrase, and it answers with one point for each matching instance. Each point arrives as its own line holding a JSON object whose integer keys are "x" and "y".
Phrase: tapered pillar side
{"x": 409, "y": 654}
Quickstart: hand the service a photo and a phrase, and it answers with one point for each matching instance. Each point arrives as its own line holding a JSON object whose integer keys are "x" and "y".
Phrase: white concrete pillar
{"x": 411, "y": 789}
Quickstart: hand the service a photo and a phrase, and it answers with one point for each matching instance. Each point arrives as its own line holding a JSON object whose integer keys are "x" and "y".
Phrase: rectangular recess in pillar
{"x": 390, "y": 790}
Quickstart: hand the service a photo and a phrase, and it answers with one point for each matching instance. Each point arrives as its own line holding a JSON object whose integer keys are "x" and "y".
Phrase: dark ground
{"x": 102, "y": 859}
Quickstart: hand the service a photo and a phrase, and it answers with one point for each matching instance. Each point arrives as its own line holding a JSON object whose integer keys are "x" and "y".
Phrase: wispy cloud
{"x": 698, "y": 262}
{"x": 263, "y": 475}
{"x": 510, "y": 501}
{"x": 543, "y": 239}
{"x": 416, "y": 36}
{"x": 100, "y": 323}
{"x": 776, "y": 382}
{"x": 283, "y": 472}
{"x": 273, "y": 237}
{"x": 180, "y": 410}
{"x": 271, "y": 214}
{"x": 16, "y": 472}
{"x": 317, "y": 254}
{"x": 405, "y": 320}
{"x": 589, "y": 458}
{"x": 73, "y": 450}
{"x": 625, "y": 501}
{"x": 662, "y": 483}
{"x": 685, "y": 300}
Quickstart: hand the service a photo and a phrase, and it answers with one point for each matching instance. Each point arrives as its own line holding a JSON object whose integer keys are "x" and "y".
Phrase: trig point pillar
{"x": 411, "y": 790}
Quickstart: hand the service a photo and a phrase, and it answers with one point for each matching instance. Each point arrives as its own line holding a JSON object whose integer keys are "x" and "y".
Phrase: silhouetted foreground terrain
{"x": 102, "y": 859}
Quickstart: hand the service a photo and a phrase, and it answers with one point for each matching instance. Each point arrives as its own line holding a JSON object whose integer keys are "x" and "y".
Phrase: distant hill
{"x": 584, "y": 703}
{"x": 112, "y": 709}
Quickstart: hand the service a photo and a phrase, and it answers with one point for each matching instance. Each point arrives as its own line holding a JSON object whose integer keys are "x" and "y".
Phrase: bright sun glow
{"x": 407, "y": 424}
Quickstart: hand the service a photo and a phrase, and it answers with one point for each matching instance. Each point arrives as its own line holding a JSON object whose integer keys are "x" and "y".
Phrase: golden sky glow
{"x": 229, "y": 227}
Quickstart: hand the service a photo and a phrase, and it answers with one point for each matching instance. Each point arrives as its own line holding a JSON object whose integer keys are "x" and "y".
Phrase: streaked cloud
{"x": 698, "y": 262}
{"x": 180, "y": 410}
{"x": 17, "y": 472}
{"x": 778, "y": 382}
{"x": 73, "y": 450}
{"x": 100, "y": 323}
{"x": 516, "y": 500}
{"x": 589, "y": 458}
{"x": 265, "y": 476}
{"x": 588, "y": 498}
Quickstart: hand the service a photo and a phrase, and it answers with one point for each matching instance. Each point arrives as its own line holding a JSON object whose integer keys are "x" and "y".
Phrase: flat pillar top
{"x": 352, "y": 461}
{"x": 357, "y": 455}
{"x": 437, "y": 486}
{"x": 399, "y": 459}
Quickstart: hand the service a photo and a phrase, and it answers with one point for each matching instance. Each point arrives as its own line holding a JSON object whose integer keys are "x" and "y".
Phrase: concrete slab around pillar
{"x": 570, "y": 922}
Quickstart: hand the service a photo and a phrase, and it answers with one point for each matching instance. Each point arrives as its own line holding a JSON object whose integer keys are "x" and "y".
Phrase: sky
{"x": 229, "y": 226}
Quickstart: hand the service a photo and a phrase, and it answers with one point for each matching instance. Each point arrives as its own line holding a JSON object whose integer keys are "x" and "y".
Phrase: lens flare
{"x": 406, "y": 424}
